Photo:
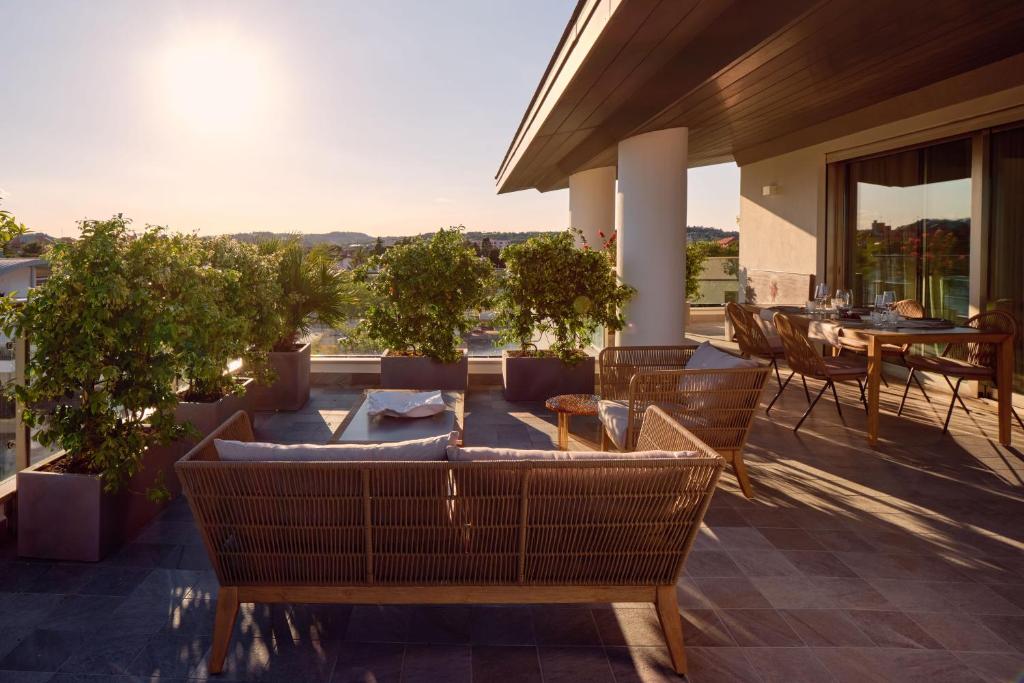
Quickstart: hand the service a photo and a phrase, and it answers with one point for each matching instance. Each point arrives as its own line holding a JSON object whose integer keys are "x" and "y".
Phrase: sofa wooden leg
{"x": 740, "y": 468}
{"x": 227, "y": 610}
{"x": 606, "y": 443}
{"x": 671, "y": 625}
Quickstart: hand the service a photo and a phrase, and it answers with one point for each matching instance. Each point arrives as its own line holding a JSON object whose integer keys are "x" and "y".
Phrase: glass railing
{"x": 18, "y": 449}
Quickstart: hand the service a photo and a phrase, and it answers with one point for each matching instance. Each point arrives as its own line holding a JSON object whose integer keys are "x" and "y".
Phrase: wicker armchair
{"x": 964, "y": 361}
{"x": 516, "y": 531}
{"x": 807, "y": 362}
{"x": 618, "y": 364}
{"x": 718, "y": 406}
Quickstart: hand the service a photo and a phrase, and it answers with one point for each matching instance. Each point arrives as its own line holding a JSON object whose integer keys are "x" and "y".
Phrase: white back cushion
{"x": 707, "y": 357}
{"x": 481, "y": 453}
{"x": 432, "y": 448}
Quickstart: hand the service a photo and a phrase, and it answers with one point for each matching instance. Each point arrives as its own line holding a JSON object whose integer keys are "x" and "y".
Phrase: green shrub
{"x": 103, "y": 328}
{"x": 422, "y": 292}
{"x": 552, "y": 287}
{"x": 227, "y": 307}
{"x": 312, "y": 288}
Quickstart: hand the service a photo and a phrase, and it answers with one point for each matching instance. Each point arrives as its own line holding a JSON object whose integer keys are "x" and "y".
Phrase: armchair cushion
{"x": 481, "y": 453}
{"x": 707, "y": 357}
{"x": 432, "y": 448}
{"x": 614, "y": 417}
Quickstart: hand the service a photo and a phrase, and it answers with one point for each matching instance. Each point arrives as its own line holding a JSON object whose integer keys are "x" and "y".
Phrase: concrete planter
{"x": 65, "y": 516}
{"x": 206, "y": 417}
{"x": 420, "y": 372}
{"x": 290, "y": 391}
{"x": 528, "y": 378}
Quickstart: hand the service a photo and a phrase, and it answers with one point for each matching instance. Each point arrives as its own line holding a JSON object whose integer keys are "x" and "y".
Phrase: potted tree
{"x": 423, "y": 291}
{"x": 311, "y": 289}
{"x": 99, "y": 387}
{"x": 554, "y": 290}
{"x": 227, "y": 312}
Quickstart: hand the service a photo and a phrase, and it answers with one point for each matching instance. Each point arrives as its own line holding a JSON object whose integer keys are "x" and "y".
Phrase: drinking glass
{"x": 821, "y": 292}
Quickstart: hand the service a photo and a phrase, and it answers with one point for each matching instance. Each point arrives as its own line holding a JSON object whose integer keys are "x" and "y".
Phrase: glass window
{"x": 1006, "y": 236}
{"x": 911, "y": 219}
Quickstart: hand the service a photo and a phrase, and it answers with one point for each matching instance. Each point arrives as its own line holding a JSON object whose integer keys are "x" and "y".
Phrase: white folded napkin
{"x": 405, "y": 403}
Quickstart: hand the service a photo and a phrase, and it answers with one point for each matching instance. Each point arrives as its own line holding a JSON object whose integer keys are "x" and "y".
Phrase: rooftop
{"x": 902, "y": 563}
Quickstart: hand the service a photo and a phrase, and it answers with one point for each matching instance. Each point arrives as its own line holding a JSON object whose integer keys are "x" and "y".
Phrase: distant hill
{"x": 700, "y": 233}
{"x": 309, "y": 239}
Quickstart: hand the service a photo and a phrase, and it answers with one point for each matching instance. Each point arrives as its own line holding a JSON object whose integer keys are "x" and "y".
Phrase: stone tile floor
{"x": 902, "y": 563}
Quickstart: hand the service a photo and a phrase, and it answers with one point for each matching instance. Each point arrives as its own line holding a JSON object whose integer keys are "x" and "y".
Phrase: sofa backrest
{"x": 608, "y": 522}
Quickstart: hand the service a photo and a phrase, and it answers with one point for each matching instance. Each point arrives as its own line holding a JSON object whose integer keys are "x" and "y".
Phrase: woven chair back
{"x": 984, "y": 355}
{"x": 801, "y": 355}
{"x": 717, "y": 406}
{"x": 909, "y": 308}
{"x": 618, "y": 364}
{"x": 749, "y": 335}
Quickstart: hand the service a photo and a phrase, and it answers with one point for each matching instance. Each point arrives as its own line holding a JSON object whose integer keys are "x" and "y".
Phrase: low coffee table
{"x": 567, "y": 405}
{"x": 361, "y": 427}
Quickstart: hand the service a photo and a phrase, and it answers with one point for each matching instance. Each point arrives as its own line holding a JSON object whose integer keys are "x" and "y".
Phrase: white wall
{"x": 780, "y": 232}
{"x": 19, "y": 280}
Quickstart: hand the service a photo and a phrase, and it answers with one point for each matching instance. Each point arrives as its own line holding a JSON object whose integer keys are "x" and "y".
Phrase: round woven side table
{"x": 567, "y": 405}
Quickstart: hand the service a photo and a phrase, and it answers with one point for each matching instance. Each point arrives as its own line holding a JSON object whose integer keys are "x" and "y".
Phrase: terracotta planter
{"x": 290, "y": 391}
{"x": 206, "y": 417}
{"x": 529, "y": 378}
{"x": 420, "y": 372}
{"x": 69, "y": 517}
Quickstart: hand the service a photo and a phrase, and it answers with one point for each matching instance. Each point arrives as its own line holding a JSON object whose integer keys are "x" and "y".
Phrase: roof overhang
{"x": 740, "y": 74}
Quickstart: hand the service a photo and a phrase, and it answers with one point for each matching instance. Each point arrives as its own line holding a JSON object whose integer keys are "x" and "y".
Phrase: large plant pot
{"x": 207, "y": 416}
{"x": 420, "y": 372}
{"x": 290, "y": 391}
{"x": 65, "y": 516}
{"x": 529, "y": 378}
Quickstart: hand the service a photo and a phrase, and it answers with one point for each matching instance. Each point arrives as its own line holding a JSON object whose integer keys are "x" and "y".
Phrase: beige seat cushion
{"x": 707, "y": 357}
{"x": 614, "y": 417}
{"x": 481, "y": 453}
{"x": 432, "y": 448}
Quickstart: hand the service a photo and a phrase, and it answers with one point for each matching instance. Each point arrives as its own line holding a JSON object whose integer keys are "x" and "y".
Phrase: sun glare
{"x": 216, "y": 84}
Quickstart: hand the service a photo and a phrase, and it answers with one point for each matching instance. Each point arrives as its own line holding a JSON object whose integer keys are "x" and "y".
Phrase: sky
{"x": 387, "y": 117}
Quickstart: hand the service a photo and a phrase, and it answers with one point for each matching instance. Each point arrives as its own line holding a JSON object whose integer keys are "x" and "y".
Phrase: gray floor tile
{"x": 364, "y": 662}
{"x": 500, "y": 664}
{"x": 430, "y": 663}
{"x": 564, "y": 664}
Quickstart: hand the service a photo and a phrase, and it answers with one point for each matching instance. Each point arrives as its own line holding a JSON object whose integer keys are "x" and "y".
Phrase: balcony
{"x": 898, "y": 563}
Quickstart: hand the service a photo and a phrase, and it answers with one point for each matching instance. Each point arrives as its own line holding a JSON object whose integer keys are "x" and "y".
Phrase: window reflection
{"x": 912, "y": 214}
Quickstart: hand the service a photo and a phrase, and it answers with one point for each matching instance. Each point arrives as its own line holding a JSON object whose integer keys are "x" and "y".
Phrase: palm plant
{"x": 312, "y": 289}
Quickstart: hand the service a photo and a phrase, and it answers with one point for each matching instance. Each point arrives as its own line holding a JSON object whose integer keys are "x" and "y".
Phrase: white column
{"x": 650, "y": 216}
{"x": 592, "y": 203}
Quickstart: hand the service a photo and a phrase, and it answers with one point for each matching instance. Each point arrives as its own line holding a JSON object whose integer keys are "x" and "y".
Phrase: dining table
{"x": 906, "y": 332}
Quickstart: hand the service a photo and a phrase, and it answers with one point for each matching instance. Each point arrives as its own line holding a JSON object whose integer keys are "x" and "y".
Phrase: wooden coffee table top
{"x": 360, "y": 427}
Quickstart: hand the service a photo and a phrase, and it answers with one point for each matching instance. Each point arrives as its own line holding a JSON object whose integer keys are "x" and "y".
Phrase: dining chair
{"x": 754, "y": 343}
{"x": 971, "y": 360}
{"x": 805, "y": 360}
{"x": 891, "y": 353}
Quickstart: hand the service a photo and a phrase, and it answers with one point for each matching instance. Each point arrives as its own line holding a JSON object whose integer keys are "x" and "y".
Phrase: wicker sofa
{"x": 525, "y": 531}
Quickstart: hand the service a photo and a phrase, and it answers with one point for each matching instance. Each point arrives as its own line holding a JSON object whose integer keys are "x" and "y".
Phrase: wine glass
{"x": 888, "y": 298}
{"x": 821, "y": 294}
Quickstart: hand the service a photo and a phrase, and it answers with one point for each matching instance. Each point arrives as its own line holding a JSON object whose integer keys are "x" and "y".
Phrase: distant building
{"x": 727, "y": 241}
{"x": 19, "y": 275}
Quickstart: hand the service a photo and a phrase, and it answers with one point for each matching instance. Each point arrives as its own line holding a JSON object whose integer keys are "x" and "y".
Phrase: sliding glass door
{"x": 908, "y": 226}
{"x": 1005, "y": 286}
